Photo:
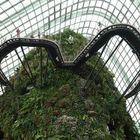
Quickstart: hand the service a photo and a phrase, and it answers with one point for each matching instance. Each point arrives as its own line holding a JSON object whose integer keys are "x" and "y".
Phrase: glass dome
{"x": 39, "y": 18}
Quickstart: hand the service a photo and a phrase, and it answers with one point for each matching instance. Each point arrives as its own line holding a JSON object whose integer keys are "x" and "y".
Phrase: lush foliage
{"x": 70, "y": 42}
{"x": 58, "y": 109}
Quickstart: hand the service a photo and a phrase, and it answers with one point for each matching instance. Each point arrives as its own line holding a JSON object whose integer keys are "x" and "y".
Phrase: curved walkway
{"x": 126, "y": 32}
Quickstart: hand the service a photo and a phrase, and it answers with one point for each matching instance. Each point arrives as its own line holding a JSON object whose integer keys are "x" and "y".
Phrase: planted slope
{"x": 59, "y": 109}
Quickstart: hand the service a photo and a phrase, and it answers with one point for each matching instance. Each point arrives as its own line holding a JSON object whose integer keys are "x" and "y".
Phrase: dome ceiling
{"x": 46, "y": 17}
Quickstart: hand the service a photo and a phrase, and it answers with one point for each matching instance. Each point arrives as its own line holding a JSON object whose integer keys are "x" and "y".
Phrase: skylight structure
{"x": 40, "y": 18}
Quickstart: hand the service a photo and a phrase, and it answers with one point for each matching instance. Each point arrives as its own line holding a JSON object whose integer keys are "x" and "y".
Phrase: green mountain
{"x": 53, "y": 105}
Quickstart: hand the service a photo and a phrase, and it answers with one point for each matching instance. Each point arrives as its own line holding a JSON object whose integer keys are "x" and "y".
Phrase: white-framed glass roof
{"x": 51, "y": 16}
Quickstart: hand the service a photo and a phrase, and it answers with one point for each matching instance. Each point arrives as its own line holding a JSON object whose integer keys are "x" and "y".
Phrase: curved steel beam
{"x": 127, "y": 32}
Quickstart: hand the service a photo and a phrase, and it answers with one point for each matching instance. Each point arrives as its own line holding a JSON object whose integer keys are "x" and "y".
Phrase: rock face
{"x": 91, "y": 113}
{"x": 67, "y": 121}
{"x": 89, "y": 105}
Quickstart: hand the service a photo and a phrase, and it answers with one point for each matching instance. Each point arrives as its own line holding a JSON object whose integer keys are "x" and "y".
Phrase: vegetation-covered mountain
{"x": 55, "y": 107}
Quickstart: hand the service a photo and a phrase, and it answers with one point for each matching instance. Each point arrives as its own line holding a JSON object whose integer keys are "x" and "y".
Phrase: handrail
{"x": 127, "y": 32}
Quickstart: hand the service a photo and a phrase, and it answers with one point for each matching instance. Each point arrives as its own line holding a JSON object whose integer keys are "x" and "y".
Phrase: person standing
{"x": 18, "y": 32}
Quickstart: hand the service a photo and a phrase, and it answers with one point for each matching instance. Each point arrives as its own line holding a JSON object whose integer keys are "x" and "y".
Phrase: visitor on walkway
{"x": 18, "y": 33}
